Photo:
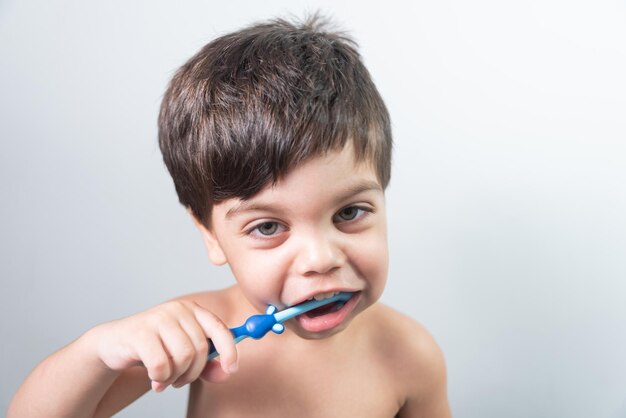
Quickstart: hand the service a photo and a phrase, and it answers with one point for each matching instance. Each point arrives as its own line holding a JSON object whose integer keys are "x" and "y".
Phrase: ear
{"x": 213, "y": 247}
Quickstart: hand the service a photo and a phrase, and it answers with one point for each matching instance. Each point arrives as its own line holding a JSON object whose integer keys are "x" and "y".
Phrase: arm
{"x": 72, "y": 378}
{"x": 428, "y": 395}
{"x": 421, "y": 371}
{"x": 99, "y": 373}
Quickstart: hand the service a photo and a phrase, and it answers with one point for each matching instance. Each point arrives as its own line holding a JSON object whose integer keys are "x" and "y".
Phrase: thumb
{"x": 213, "y": 372}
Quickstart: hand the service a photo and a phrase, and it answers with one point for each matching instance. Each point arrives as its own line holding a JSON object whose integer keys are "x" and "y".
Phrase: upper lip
{"x": 317, "y": 292}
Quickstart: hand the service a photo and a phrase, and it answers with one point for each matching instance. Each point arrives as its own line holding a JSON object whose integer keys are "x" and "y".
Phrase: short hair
{"x": 252, "y": 104}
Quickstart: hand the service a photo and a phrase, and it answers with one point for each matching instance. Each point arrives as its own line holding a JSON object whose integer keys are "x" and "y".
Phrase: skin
{"x": 321, "y": 228}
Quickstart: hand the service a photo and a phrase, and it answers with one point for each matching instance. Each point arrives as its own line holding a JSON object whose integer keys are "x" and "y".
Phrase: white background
{"x": 506, "y": 207}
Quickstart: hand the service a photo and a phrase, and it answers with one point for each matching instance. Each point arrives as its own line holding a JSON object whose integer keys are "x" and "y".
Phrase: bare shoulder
{"x": 416, "y": 360}
{"x": 407, "y": 344}
{"x": 220, "y": 302}
{"x": 206, "y": 296}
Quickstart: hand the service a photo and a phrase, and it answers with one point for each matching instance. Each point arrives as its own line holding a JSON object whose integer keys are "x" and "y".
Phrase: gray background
{"x": 506, "y": 207}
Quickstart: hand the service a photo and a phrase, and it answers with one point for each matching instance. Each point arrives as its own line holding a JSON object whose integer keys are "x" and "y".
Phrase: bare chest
{"x": 353, "y": 388}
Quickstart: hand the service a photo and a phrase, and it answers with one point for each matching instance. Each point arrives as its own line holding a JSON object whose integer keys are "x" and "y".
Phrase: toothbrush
{"x": 256, "y": 326}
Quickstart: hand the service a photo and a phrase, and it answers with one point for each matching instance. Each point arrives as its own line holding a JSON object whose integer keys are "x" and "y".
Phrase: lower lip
{"x": 330, "y": 320}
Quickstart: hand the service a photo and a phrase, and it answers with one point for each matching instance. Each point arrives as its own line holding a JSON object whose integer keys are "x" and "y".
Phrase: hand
{"x": 171, "y": 342}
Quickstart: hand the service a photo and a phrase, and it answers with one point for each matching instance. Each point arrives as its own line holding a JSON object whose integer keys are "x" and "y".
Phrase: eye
{"x": 351, "y": 213}
{"x": 267, "y": 228}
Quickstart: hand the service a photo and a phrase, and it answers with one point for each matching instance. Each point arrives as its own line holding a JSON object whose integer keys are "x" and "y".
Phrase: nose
{"x": 320, "y": 253}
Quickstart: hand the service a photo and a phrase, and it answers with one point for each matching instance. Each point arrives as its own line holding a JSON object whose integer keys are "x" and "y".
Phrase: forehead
{"x": 324, "y": 180}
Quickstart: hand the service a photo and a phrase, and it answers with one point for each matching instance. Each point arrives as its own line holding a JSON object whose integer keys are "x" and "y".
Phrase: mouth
{"x": 328, "y": 316}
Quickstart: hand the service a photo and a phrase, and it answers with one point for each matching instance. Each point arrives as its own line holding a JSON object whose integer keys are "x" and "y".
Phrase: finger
{"x": 179, "y": 347}
{"x": 214, "y": 373}
{"x": 155, "y": 359}
{"x": 221, "y": 337}
{"x": 158, "y": 386}
{"x": 201, "y": 345}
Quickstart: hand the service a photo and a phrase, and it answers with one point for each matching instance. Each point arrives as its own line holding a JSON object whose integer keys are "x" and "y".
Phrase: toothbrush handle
{"x": 255, "y": 326}
{"x": 213, "y": 352}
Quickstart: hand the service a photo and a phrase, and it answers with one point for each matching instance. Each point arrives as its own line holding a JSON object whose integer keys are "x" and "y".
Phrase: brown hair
{"x": 254, "y": 103}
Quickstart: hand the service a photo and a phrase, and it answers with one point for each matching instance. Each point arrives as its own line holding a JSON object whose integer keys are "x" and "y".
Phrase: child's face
{"x": 320, "y": 229}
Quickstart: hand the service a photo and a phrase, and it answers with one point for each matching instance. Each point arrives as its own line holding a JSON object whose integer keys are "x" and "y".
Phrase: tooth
{"x": 322, "y": 296}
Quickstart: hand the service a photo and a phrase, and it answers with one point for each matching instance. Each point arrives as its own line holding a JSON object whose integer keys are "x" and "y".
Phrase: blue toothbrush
{"x": 257, "y": 326}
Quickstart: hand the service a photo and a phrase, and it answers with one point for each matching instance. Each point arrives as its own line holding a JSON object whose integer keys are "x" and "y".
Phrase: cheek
{"x": 373, "y": 258}
{"x": 259, "y": 274}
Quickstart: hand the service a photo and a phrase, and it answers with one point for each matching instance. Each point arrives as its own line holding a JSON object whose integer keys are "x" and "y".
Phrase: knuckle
{"x": 177, "y": 304}
{"x": 157, "y": 316}
{"x": 166, "y": 309}
{"x": 186, "y": 353}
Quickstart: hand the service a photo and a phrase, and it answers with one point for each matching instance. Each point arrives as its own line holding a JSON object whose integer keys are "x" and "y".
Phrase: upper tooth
{"x": 322, "y": 296}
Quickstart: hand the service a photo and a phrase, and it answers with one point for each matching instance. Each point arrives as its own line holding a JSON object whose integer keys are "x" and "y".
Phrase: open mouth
{"x": 327, "y": 316}
{"x": 325, "y": 309}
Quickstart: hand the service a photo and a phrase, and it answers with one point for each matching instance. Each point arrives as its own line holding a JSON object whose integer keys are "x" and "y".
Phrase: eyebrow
{"x": 358, "y": 188}
{"x": 352, "y": 190}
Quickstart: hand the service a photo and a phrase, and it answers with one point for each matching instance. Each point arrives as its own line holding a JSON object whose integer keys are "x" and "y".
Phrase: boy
{"x": 279, "y": 146}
